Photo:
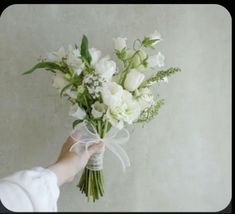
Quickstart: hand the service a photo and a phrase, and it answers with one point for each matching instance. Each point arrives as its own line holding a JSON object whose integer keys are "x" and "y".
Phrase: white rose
{"x": 77, "y": 112}
{"x": 120, "y": 43}
{"x": 95, "y": 55}
{"x": 98, "y": 109}
{"x": 111, "y": 93}
{"x": 156, "y": 60}
{"x": 105, "y": 68}
{"x": 59, "y": 82}
{"x": 155, "y": 35}
{"x": 144, "y": 97}
{"x": 133, "y": 80}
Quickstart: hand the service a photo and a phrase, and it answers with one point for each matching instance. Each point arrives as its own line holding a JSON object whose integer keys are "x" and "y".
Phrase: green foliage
{"x": 84, "y": 50}
{"x": 76, "y": 122}
{"x": 63, "y": 89}
{"x": 121, "y": 54}
{"x": 159, "y": 76}
{"x": 50, "y": 66}
{"x": 149, "y": 113}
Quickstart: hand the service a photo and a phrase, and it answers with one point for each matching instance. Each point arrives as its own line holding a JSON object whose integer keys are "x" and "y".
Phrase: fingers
{"x": 95, "y": 148}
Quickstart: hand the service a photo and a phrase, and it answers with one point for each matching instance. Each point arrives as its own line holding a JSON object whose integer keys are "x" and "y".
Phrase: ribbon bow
{"x": 86, "y": 135}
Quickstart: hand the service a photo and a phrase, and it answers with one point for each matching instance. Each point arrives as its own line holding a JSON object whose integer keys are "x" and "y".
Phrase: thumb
{"x": 95, "y": 148}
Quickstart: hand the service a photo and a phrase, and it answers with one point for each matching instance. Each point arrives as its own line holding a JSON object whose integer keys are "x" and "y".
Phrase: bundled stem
{"x": 92, "y": 181}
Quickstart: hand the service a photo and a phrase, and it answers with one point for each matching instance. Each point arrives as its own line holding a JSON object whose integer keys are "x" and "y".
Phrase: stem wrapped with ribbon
{"x": 86, "y": 135}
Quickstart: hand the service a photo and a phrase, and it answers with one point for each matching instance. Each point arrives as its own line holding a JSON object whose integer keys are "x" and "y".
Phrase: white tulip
{"x": 77, "y": 112}
{"x": 156, "y": 60}
{"x": 105, "y": 68}
{"x": 59, "y": 82}
{"x": 133, "y": 80}
{"x": 98, "y": 109}
{"x": 120, "y": 43}
{"x": 95, "y": 55}
{"x": 155, "y": 35}
{"x": 111, "y": 93}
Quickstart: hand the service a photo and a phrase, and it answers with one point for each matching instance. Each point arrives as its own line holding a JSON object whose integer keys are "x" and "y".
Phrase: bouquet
{"x": 106, "y": 97}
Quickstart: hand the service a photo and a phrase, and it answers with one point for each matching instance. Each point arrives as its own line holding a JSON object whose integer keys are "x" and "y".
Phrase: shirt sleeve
{"x": 30, "y": 190}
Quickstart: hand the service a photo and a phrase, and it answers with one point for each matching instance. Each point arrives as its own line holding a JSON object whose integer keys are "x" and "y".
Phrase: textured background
{"x": 181, "y": 161}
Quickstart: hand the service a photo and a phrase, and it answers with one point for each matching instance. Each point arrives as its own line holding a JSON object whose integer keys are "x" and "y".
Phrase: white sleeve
{"x": 34, "y": 190}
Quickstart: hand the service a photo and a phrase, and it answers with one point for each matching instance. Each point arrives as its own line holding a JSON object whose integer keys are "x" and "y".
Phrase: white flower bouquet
{"x": 106, "y": 98}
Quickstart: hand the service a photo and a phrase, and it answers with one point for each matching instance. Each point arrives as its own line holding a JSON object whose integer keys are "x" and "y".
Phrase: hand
{"x": 69, "y": 163}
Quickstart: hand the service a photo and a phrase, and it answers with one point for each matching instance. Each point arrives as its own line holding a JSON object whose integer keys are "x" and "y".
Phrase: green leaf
{"x": 62, "y": 90}
{"x": 149, "y": 113}
{"x": 159, "y": 76}
{"x": 76, "y": 122}
{"x": 50, "y": 66}
{"x": 147, "y": 42}
{"x": 84, "y": 50}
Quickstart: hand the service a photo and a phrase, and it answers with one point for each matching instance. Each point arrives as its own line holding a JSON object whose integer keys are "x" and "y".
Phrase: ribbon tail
{"x": 120, "y": 153}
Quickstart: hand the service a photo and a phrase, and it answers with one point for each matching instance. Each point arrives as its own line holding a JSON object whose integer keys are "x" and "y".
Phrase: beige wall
{"x": 181, "y": 160}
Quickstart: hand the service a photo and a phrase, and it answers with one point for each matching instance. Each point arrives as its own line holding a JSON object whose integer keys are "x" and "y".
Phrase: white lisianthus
{"x": 156, "y": 60}
{"x": 133, "y": 80}
{"x": 95, "y": 55}
{"x": 132, "y": 110}
{"x": 57, "y": 55}
{"x": 111, "y": 93}
{"x": 105, "y": 68}
{"x": 77, "y": 112}
{"x": 144, "y": 97}
{"x": 155, "y": 35}
{"x": 120, "y": 43}
{"x": 59, "y": 82}
{"x": 98, "y": 109}
{"x": 127, "y": 111}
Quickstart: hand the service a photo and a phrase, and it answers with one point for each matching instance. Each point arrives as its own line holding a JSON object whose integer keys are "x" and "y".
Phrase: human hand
{"x": 69, "y": 163}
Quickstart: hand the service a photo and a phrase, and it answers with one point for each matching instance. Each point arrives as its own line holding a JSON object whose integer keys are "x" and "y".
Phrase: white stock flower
{"x": 156, "y": 60}
{"x": 95, "y": 55}
{"x": 98, "y": 109}
{"x": 57, "y": 55}
{"x": 111, "y": 93}
{"x": 105, "y": 68}
{"x": 120, "y": 43}
{"x": 144, "y": 97}
{"x": 77, "y": 112}
{"x": 155, "y": 35}
{"x": 133, "y": 80}
{"x": 59, "y": 82}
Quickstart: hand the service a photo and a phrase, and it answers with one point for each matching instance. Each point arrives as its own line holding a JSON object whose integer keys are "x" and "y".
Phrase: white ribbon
{"x": 86, "y": 135}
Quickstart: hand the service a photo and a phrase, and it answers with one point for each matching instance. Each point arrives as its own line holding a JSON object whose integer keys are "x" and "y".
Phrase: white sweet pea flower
{"x": 111, "y": 93}
{"x": 120, "y": 43}
{"x": 59, "y": 82}
{"x": 144, "y": 98}
{"x": 57, "y": 55}
{"x": 133, "y": 80}
{"x": 156, "y": 60}
{"x": 105, "y": 68}
{"x": 95, "y": 55}
{"x": 77, "y": 112}
{"x": 98, "y": 109}
{"x": 155, "y": 35}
